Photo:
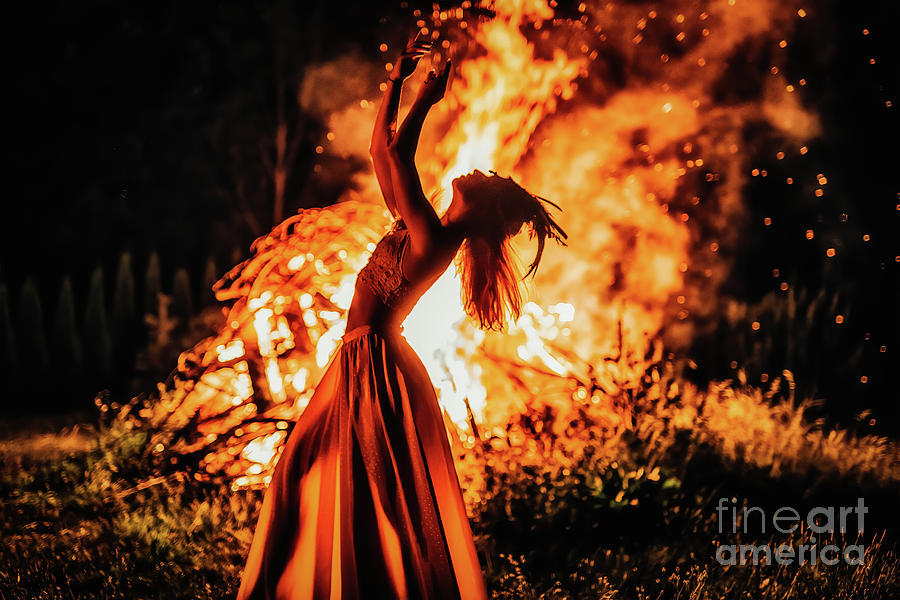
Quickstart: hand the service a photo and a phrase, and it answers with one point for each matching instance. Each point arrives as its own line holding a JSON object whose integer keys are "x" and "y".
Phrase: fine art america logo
{"x": 821, "y": 521}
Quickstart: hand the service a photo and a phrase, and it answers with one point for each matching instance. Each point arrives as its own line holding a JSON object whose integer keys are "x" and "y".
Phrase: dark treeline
{"x": 121, "y": 336}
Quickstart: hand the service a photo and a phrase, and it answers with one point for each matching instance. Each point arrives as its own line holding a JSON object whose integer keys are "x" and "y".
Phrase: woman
{"x": 365, "y": 501}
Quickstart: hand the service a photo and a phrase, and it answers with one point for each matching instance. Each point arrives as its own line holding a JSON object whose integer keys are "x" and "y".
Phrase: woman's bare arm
{"x": 386, "y": 120}
{"x": 381, "y": 136}
{"x": 418, "y": 214}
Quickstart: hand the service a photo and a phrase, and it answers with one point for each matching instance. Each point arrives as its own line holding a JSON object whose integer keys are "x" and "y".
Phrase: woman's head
{"x": 492, "y": 209}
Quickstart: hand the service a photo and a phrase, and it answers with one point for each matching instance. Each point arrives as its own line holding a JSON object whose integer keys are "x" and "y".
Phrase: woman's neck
{"x": 454, "y": 231}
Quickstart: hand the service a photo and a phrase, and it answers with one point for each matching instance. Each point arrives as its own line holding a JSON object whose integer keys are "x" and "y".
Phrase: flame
{"x": 648, "y": 169}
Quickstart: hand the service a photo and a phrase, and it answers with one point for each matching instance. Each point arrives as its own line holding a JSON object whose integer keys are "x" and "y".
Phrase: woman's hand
{"x": 406, "y": 64}
{"x": 432, "y": 90}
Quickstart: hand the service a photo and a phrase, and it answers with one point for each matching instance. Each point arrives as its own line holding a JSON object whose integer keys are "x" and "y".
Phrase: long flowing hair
{"x": 486, "y": 263}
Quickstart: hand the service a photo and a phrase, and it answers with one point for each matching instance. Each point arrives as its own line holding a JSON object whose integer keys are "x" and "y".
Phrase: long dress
{"x": 365, "y": 502}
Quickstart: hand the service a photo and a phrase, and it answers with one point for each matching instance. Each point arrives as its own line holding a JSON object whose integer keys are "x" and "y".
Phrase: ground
{"x": 83, "y": 516}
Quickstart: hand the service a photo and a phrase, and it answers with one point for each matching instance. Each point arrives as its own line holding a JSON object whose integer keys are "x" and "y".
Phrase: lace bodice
{"x": 382, "y": 273}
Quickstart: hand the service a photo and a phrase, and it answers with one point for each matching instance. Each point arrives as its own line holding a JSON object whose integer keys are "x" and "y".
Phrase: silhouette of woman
{"x": 365, "y": 501}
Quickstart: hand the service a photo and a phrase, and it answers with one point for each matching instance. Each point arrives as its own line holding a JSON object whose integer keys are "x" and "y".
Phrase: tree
{"x": 182, "y": 300}
{"x": 8, "y": 354}
{"x": 210, "y": 276}
{"x": 123, "y": 298}
{"x": 152, "y": 285}
{"x": 268, "y": 134}
{"x": 31, "y": 335}
{"x": 95, "y": 333}
{"x": 65, "y": 352}
{"x": 124, "y": 325}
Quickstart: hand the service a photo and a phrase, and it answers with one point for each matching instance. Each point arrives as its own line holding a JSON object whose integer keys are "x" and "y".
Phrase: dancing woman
{"x": 365, "y": 501}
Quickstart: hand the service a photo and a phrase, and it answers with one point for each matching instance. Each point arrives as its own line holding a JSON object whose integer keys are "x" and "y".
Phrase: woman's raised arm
{"x": 417, "y": 212}
{"x": 386, "y": 120}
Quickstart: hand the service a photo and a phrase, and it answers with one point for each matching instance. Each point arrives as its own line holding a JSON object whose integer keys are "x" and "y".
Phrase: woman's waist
{"x": 381, "y": 330}
{"x": 368, "y": 311}
{"x": 371, "y": 319}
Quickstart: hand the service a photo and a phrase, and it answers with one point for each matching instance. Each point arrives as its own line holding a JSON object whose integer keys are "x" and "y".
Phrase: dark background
{"x": 139, "y": 128}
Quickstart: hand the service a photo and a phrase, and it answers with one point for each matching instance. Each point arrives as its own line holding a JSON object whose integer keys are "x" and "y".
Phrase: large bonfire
{"x": 619, "y": 112}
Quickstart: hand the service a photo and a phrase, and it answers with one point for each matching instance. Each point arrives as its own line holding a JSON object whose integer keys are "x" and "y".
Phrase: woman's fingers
{"x": 419, "y": 52}
{"x": 415, "y": 55}
{"x": 416, "y": 48}
{"x": 417, "y": 44}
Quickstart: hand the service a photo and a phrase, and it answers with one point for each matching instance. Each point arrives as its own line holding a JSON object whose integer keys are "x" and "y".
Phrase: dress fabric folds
{"x": 365, "y": 502}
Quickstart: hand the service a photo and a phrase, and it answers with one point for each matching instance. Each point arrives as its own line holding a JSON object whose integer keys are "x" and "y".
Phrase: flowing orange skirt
{"x": 365, "y": 501}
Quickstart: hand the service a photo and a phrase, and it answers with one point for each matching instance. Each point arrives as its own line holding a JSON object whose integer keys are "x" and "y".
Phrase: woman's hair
{"x": 486, "y": 262}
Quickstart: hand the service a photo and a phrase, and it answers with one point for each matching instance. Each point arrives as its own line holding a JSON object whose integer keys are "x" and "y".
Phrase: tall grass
{"x": 580, "y": 496}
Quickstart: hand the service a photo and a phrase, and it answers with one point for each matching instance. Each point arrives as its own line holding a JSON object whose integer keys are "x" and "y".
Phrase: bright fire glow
{"x": 634, "y": 162}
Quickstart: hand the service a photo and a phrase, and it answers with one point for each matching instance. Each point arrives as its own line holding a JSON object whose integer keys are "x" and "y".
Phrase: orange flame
{"x": 634, "y": 161}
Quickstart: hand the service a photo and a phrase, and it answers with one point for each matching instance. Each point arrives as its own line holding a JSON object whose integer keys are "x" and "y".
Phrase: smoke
{"x": 332, "y": 86}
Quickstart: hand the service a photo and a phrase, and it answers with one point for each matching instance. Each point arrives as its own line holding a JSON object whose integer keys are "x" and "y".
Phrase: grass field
{"x": 630, "y": 515}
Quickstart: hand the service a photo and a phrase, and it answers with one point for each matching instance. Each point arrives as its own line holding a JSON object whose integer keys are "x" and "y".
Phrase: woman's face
{"x": 466, "y": 183}
{"x": 476, "y": 202}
